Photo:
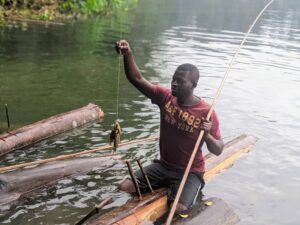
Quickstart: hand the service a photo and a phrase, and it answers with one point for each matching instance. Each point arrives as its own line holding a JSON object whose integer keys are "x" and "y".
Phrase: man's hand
{"x": 123, "y": 47}
{"x": 206, "y": 126}
{"x": 213, "y": 145}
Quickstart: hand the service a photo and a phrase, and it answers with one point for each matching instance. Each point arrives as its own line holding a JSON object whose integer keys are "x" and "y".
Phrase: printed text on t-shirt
{"x": 186, "y": 121}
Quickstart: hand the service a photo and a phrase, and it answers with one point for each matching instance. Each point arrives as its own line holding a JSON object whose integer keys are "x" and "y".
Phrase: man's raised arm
{"x": 132, "y": 71}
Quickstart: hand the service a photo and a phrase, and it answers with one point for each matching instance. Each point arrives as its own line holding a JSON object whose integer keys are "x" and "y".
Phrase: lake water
{"x": 46, "y": 70}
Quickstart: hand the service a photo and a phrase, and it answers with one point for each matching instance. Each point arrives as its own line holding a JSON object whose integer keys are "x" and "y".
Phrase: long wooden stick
{"x": 133, "y": 178}
{"x": 61, "y": 157}
{"x": 96, "y": 210}
{"x": 145, "y": 175}
{"x": 7, "y": 116}
{"x": 187, "y": 170}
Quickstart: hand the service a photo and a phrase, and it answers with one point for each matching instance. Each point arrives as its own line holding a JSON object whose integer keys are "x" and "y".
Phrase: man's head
{"x": 184, "y": 80}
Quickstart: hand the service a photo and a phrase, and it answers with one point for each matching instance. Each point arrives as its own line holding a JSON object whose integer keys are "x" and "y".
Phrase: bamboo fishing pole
{"x": 62, "y": 157}
{"x": 187, "y": 170}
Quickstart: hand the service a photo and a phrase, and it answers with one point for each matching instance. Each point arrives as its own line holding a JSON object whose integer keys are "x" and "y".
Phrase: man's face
{"x": 182, "y": 84}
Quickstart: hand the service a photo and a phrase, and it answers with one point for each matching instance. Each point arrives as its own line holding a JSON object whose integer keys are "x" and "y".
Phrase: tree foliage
{"x": 90, "y": 6}
{"x": 49, "y": 9}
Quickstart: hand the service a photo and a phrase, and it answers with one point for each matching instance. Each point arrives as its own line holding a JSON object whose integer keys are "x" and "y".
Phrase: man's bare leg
{"x": 127, "y": 185}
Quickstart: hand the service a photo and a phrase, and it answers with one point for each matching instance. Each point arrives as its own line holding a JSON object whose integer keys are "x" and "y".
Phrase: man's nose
{"x": 175, "y": 83}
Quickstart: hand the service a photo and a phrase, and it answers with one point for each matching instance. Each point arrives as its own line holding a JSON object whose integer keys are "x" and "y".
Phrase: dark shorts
{"x": 161, "y": 176}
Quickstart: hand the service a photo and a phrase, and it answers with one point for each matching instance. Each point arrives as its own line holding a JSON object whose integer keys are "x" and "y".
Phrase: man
{"x": 182, "y": 118}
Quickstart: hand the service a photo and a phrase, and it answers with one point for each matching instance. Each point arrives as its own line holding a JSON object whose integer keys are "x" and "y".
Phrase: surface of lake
{"x": 46, "y": 70}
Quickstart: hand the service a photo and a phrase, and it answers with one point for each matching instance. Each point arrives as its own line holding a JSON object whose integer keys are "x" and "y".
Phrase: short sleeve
{"x": 159, "y": 95}
{"x": 215, "y": 130}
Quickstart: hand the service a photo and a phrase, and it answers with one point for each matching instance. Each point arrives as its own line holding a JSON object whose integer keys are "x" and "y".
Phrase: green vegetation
{"x": 91, "y": 6}
{"x": 51, "y": 9}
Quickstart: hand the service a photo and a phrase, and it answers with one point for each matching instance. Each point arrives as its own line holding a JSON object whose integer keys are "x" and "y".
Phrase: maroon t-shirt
{"x": 179, "y": 129}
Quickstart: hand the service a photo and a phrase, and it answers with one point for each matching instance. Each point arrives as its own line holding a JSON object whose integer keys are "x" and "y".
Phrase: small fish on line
{"x": 115, "y": 136}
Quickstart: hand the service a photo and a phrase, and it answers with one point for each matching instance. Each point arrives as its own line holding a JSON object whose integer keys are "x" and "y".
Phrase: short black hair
{"x": 192, "y": 69}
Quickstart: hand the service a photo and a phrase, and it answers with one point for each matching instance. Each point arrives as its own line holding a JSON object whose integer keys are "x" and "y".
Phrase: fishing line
{"x": 187, "y": 170}
{"x": 115, "y": 134}
{"x": 119, "y": 75}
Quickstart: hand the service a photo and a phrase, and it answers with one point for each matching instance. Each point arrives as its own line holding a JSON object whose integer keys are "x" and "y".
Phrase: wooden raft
{"x": 46, "y": 128}
{"x": 153, "y": 206}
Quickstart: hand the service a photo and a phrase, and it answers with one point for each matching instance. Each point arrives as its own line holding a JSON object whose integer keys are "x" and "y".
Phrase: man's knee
{"x": 127, "y": 186}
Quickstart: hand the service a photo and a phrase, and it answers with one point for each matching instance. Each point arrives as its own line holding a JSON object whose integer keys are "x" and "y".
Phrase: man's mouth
{"x": 174, "y": 91}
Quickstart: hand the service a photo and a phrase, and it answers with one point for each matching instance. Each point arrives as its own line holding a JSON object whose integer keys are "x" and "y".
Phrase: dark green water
{"x": 46, "y": 70}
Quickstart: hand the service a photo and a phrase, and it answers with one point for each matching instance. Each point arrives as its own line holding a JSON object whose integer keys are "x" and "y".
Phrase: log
{"x": 46, "y": 128}
{"x": 234, "y": 149}
{"x": 72, "y": 155}
{"x": 134, "y": 211}
{"x": 219, "y": 213}
{"x": 20, "y": 184}
{"x": 154, "y": 206}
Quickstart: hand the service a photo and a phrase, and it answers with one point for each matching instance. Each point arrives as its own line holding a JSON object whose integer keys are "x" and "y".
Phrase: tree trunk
{"x": 46, "y": 128}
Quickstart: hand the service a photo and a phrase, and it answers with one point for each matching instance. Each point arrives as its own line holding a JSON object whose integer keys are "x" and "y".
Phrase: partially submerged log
{"x": 15, "y": 185}
{"x": 233, "y": 150}
{"x": 72, "y": 155}
{"x": 154, "y": 206}
{"x": 48, "y": 127}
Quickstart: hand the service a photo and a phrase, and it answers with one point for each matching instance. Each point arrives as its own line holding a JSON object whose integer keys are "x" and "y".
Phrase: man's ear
{"x": 194, "y": 84}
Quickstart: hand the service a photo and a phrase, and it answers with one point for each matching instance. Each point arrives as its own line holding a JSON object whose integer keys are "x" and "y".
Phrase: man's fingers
{"x": 204, "y": 120}
{"x": 205, "y": 125}
{"x": 117, "y": 48}
{"x": 122, "y": 47}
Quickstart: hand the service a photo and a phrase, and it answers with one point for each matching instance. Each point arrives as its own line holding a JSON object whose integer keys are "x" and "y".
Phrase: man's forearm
{"x": 213, "y": 145}
{"x": 131, "y": 69}
{"x": 135, "y": 77}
